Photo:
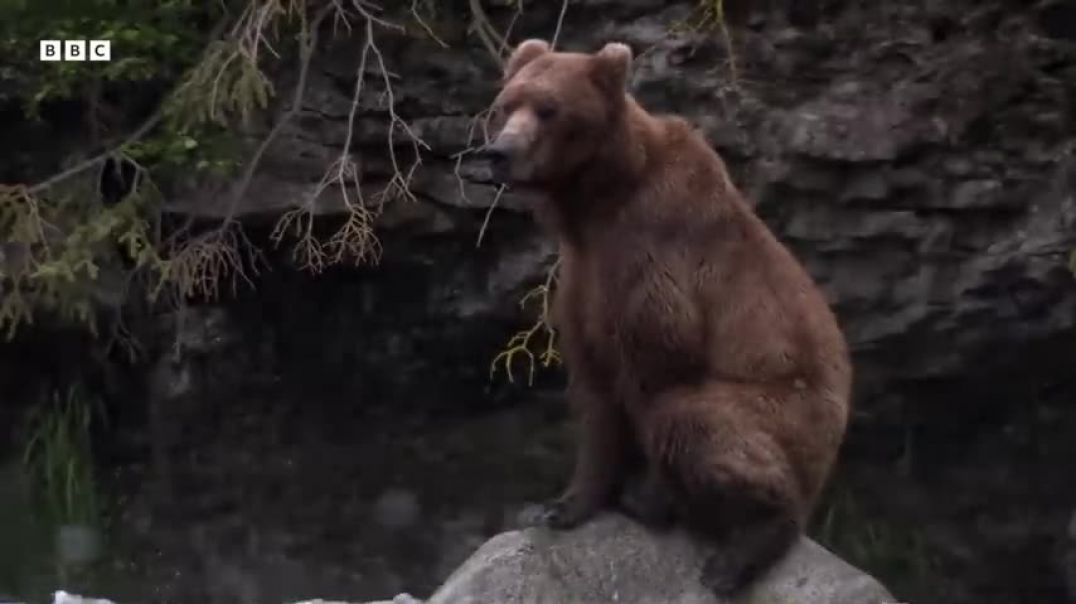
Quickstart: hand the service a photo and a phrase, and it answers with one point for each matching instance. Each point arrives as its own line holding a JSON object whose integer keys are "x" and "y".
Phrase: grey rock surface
{"x": 615, "y": 560}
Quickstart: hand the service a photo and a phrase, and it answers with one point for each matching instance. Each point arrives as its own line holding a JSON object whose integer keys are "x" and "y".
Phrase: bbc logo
{"x": 76, "y": 50}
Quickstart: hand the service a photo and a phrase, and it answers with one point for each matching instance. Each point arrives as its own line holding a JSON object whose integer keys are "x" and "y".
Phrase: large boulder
{"x": 613, "y": 559}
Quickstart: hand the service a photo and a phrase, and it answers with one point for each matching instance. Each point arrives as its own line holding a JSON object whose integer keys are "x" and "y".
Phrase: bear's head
{"x": 556, "y": 112}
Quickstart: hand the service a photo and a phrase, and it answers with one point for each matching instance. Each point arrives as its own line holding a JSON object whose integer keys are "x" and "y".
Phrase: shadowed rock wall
{"x": 916, "y": 156}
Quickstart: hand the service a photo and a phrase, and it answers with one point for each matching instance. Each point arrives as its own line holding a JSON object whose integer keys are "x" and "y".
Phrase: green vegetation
{"x": 59, "y": 459}
{"x": 201, "y": 71}
{"x": 897, "y": 553}
{"x": 53, "y": 503}
{"x": 60, "y": 240}
{"x": 185, "y": 77}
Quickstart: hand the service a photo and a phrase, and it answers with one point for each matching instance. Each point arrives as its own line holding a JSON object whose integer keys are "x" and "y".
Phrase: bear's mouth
{"x": 501, "y": 158}
{"x": 500, "y": 170}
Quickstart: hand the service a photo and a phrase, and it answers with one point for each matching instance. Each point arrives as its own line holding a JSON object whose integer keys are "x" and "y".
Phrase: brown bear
{"x": 708, "y": 373}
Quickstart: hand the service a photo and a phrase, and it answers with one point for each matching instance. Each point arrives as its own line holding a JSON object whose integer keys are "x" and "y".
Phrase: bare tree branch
{"x": 422, "y": 23}
{"x": 489, "y": 214}
{"x": 494, "y": 42}
{"x": 355, "y": 237}
{"x": 506, "y": 48}
{"x": 307, "y": 43}
{"x": 92, "y": 162}
{"x": 560, "y": 23}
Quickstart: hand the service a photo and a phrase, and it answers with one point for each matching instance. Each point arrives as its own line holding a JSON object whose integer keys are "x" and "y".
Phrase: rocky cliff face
{"x": 917, "y": 157}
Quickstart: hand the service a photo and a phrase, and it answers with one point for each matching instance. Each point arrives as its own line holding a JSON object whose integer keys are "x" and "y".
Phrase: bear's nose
{"x": 499, "y": 151}
{"x": 499, "y": 155}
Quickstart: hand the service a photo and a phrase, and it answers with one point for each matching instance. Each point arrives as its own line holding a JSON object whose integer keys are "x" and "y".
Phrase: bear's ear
{"x": 527, "y": 51}
{"x": 611, "y": 65}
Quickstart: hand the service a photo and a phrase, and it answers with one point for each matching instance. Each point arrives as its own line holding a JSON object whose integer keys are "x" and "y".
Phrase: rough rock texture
{"x": 615, "y": 560}
{"x": 918, "y": 157}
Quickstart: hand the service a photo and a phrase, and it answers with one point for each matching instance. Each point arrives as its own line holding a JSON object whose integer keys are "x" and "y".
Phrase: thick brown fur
{"x": 708, "y": 373}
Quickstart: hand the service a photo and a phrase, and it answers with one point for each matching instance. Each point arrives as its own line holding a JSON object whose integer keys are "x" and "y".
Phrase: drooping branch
{"x": 355, "y": 238}
{"x": 482, "y": 27}
{"x": 98, "y": 159}
{"x": 308, "y": 38}
{"x": 229, "y": 81}
{"x": 520, "y": 344}
{"x": 425, "y": 26}
{"x": 560, "y": 23}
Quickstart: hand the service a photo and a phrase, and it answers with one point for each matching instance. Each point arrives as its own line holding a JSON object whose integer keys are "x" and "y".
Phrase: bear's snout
{"x": 500, "y": 154}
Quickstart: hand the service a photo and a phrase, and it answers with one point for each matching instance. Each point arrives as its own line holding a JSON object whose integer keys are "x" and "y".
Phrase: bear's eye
{"x": 545, "y": 111}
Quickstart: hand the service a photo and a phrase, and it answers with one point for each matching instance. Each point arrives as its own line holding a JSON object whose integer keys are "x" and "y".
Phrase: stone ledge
{"x": 613, "y": 559}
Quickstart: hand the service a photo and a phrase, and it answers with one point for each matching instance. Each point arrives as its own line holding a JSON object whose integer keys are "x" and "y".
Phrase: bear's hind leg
{"x": 648, "y": 498}
{"x": 732, "y": 479}
{"x": 746, "y": 551}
